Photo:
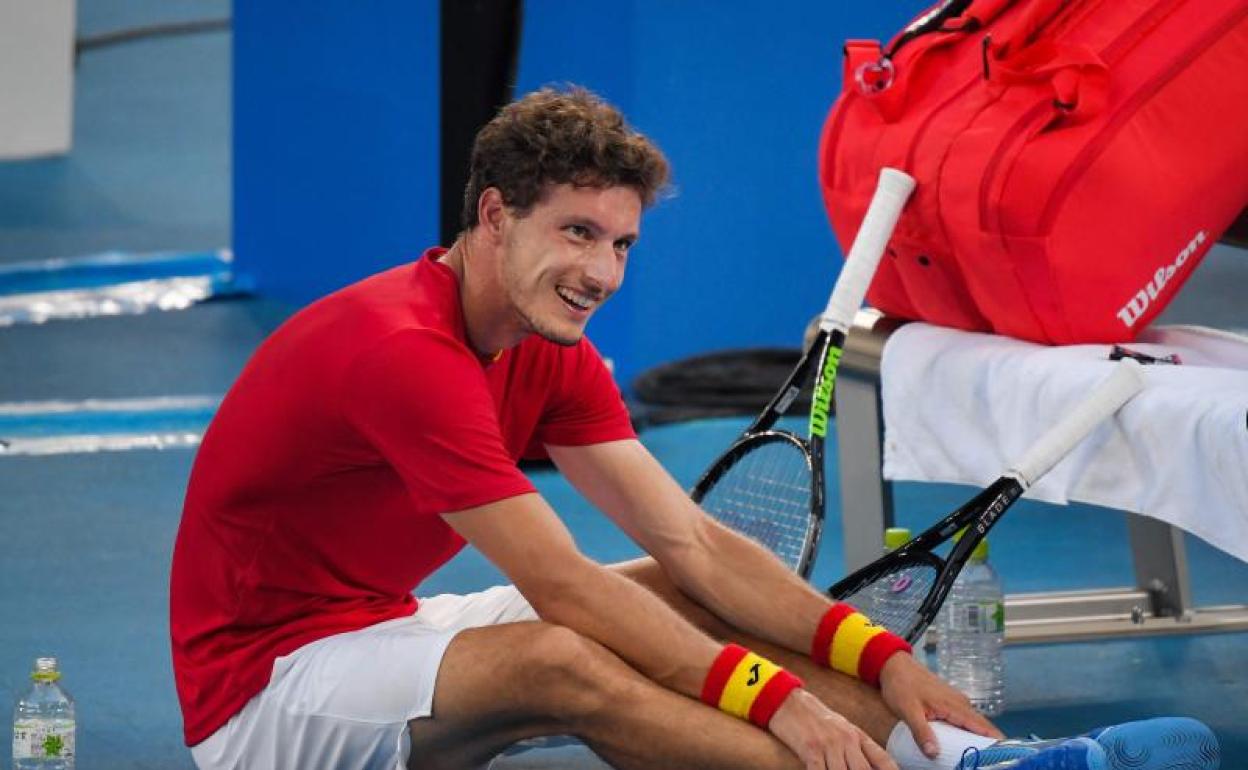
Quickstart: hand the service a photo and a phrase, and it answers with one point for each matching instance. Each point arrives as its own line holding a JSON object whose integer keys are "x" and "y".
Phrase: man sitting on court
{"x": 378, "y": 430}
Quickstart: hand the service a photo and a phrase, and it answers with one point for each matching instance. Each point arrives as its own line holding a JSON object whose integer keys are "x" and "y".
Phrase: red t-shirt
{"x": 313, "y": 505}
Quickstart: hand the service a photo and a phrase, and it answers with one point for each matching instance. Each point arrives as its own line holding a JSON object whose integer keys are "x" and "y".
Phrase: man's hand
{"x": 917, "y": 697}
{"x": 823, "y": 739}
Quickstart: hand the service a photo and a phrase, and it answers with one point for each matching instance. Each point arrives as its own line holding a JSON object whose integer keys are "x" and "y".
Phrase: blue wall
{"x": 335, "y": 163}
{"x": 335, "y": 140}
{"x": 736, "y": 94}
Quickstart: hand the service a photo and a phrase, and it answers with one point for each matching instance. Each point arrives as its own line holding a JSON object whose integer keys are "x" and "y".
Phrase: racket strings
{"x": 766, "y": 495}
{"x": 893, "y": 599}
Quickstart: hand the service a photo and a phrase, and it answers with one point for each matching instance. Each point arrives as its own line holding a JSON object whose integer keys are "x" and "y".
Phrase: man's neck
{"x": 482, "y": 300}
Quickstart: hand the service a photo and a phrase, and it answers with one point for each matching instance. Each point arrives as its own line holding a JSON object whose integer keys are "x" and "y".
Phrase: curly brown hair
{"x": 559, "y": 137}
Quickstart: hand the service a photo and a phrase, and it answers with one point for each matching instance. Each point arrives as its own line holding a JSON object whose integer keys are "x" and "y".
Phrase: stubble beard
{"x": 547, "y": 332}
{"x": 534, "y": 324}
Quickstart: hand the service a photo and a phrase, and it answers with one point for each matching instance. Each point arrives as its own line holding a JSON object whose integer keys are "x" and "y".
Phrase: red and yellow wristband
{"x": 747, "y": 685}
{"x": 847, "y": 641}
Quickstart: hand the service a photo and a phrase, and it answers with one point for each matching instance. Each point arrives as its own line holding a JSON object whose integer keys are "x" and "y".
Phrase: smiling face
{"x": 566, "y": 256}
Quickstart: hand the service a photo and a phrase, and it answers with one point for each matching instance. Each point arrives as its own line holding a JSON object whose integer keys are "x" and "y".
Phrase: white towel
{"x": 959, "y": 407}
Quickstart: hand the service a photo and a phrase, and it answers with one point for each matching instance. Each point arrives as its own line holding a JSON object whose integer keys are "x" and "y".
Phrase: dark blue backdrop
{"x": 335, "y": 140}
{"x": 336, "y": 150}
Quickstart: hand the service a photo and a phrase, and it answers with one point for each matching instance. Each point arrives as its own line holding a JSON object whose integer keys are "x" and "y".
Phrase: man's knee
{"x": 577, "y": 676}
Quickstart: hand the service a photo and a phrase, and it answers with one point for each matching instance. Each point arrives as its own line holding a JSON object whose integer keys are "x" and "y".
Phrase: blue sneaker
{"x": 1166, "y": 743}
{"x": 1061, "y": 754}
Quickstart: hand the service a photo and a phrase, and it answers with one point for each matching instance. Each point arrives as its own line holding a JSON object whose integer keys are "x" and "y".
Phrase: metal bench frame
{"x": 1160, "y": 602}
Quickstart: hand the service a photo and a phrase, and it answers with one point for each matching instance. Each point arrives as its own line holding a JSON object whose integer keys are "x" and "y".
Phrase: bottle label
{"x": 978, "y": 617}
{"x": 43, "y": 739}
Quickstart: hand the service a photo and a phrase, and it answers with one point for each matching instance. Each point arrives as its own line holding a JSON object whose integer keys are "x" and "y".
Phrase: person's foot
{"x": 1061, "y": 754}
{"x": 1165, "y": 743}
{"x": 1159, "y": 744}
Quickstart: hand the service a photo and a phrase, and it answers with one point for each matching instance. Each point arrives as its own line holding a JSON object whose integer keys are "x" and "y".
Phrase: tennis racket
{"x": 769, "y": 484}
{"x": 914, "y": 579}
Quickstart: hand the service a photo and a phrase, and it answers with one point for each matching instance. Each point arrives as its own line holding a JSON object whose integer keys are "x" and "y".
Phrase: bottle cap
{"x": 896, "y": 537}
{"x": 981, "y": 548}
{"x": 45, "y": 670}
{"x": 981, "y": 551}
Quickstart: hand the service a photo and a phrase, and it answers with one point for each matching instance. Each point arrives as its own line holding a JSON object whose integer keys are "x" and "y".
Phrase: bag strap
{"x": 1028, "y": 26}
{"x": 950, "y": 16}
{"x": 870, "y": 71}
{"x": 1077, "y": 75}
{"x": 1021, "y": 54}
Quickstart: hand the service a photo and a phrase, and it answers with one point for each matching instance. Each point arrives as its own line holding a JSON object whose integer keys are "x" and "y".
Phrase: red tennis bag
{"x": 1075, "y": 159}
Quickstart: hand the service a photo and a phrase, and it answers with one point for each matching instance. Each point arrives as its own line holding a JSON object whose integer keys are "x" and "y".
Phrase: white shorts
{"x": 343, "y": 702}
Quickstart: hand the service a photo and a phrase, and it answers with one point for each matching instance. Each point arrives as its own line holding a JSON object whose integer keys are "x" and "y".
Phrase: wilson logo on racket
{"x": 823, "y": 394}
{"x": 769, "y": 483}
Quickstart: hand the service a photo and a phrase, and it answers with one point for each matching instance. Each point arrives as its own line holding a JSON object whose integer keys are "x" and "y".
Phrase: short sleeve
{"x": 421, "y": 400}
{"x": 585, "y": 406}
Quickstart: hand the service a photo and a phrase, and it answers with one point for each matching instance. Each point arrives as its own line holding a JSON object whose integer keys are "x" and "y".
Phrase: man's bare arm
{"x": 524, "y": 538}
{"x": 734, "y": 577}
{"x": 528, "y": 542}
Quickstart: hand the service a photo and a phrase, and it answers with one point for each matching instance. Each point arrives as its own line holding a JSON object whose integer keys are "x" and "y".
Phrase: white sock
{"x": 953, "y": 742}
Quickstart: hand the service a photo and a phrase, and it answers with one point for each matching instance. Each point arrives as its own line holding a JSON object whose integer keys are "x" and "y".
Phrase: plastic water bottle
{"x": 43, "y": 722}
{"x": 971, "y": 631}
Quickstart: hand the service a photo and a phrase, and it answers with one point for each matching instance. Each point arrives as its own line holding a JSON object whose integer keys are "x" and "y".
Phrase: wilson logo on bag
{"x": 1076, "y": 159}
{"x": 1134, "y": 309}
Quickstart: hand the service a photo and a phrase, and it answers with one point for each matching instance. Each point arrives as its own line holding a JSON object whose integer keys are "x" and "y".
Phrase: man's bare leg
{"x": 857, "y": 702}
{"x": 501, "y": 684}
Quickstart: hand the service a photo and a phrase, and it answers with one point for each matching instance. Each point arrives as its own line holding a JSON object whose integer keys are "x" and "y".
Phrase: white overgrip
{"x": 1118, "y": 388}
{"x": 891, "y": 193}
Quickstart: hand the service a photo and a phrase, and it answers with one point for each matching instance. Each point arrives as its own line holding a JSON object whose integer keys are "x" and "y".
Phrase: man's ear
{"x": 491, "y": 212}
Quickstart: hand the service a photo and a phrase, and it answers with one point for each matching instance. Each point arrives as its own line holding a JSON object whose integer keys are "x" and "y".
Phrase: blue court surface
{"x": 84, "y": 559}
{"x": 87, "y": 555}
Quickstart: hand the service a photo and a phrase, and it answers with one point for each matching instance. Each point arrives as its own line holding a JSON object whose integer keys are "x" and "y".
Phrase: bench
{"x": 1159, "y": 602}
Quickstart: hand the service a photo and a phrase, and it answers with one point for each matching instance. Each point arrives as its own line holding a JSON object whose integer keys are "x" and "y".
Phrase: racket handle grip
{"x": 891, "y": 193}
{"x": 1118, "y": 388}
